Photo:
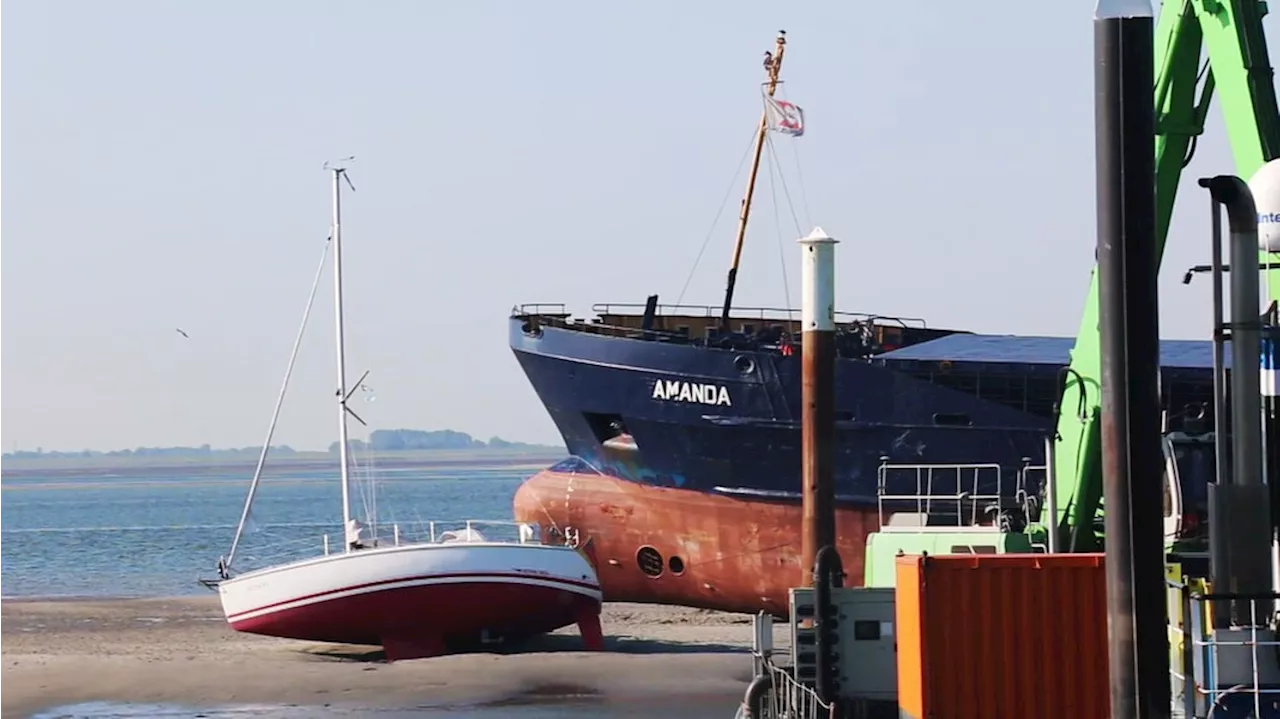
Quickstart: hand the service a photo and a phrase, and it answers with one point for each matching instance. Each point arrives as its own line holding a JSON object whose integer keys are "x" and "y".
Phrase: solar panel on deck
{"x": 1192, "y": 354}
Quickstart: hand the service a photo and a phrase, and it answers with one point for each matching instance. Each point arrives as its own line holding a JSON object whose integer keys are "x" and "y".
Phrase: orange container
{"x": 1002, "y": 635}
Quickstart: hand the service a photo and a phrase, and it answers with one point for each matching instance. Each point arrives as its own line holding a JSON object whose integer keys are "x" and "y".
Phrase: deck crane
{"x": 1238, "y": 70}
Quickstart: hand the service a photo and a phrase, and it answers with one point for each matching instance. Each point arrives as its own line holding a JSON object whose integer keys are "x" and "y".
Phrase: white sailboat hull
{"x": 420, "y": 599}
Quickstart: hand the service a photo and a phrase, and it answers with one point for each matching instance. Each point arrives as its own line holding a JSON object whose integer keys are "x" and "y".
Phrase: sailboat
{"x": 414, "y": 598}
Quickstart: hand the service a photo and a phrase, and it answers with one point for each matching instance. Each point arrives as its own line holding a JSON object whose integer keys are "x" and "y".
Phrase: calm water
{"x": 154, "y": 532}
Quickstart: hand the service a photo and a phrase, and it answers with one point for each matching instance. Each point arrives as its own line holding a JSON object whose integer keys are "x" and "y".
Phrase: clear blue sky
{"x": 164, "y": 171}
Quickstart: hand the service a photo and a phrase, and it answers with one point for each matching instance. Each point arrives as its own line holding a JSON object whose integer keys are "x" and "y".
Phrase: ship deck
{"x": 1050, "y": 352}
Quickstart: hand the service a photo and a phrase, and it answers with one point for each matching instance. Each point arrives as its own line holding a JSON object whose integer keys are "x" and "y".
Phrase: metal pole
{"x": 1221, "y": 410}
{"x": 342, "y": 355}
{"x": 773, "y": 68}
{"x": 1219, "y": 547}
{"x": 1127, "y": 273}
{"x": 1246, "y": 334}
{"x": 817, "y": 428}
{"x": 1246, "y": 507}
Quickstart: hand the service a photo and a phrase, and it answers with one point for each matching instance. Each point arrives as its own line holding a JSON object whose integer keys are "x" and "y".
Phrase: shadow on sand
{"x": 550, "y": 643}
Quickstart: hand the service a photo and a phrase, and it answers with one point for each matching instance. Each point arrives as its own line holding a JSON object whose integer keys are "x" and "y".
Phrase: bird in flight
{"x": 184, "y": 334}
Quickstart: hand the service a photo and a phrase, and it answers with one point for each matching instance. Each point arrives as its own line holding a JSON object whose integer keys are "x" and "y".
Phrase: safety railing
{"x": 774, "y": 692}
{"x": 447, "y": 531}
{"x": 1223, "y": 671}
{"x": 759, "y": 314}
{"x": 779, "y": 696}
{"x": 950, "y": 495}
{"x": 855, "y": 331}
{"x": 548, "y": 309}
{"x": 278, "y": 545}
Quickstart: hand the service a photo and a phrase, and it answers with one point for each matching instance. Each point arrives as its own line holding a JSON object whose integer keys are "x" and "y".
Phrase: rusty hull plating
{"x": 668, "y": 546}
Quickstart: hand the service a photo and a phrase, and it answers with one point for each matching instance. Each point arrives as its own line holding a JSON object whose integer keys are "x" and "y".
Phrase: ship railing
{"x": 1224, "y": 671}
{"x": 760, "y": 314}
{"x": 763, "y": 340}
{"x": 396, "y": 534}
{"x": 912, "y": 497}
{"x": 540, "y": 309}
{"x": 272, "y": 545}
{"x": 532, "y": 327}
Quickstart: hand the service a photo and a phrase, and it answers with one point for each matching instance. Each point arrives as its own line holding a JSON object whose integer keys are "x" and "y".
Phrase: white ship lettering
{"x": 677, "y": 391}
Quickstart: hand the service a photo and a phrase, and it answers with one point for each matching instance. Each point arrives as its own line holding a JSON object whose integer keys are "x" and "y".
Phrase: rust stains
{"x": 714, "y": 552}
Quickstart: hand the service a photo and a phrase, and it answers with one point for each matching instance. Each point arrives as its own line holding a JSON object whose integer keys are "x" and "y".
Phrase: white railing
{"x": 273, "y": 551}
{"x": 956, "y": 495}
{"x": 774, "y": 692}
{"x": 434, "y": 532}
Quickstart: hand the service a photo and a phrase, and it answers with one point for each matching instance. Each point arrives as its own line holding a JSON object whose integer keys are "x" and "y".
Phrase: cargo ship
{"x": 683, "y": 427}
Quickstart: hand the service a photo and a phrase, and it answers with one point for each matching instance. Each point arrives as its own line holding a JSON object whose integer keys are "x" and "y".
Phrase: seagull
{"x": 768, "y": 61}
{"x": 184, "y": 334}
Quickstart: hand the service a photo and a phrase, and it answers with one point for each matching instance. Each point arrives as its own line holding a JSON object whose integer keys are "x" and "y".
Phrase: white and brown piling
{"x": 817, "y": 429}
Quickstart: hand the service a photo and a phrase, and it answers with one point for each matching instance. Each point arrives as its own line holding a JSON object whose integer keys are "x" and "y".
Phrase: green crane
{"x": 1238, "y": 70}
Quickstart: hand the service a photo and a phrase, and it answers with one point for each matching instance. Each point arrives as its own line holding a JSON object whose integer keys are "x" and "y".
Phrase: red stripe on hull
{"x": 738, "y": 555}
{"x": 426, "y": 620}
{"x": 400, "y": 580}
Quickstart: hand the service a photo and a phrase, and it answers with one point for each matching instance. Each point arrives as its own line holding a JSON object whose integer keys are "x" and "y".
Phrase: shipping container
{"x": 1002, "y": 635}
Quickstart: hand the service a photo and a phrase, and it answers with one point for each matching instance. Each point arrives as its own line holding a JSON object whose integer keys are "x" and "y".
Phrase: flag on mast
{"x": 784, "y": 117}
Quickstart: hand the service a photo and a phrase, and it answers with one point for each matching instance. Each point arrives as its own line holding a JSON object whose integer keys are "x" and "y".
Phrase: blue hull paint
{"x": 752, "y": 445}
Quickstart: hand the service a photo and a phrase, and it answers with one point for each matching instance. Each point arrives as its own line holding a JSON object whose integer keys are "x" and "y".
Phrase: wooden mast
{"x": 773, "y": 65}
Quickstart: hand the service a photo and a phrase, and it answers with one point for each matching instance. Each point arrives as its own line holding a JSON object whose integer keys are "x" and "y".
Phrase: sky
{"x": 164, "y": 171}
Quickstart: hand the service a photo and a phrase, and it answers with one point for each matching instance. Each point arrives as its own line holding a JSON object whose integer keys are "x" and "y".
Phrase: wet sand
{"x": 59, "y": 652}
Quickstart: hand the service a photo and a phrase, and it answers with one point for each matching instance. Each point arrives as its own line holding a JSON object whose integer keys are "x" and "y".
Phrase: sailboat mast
{"x": 773, "y": 66}
{"x": 342, "y": 355}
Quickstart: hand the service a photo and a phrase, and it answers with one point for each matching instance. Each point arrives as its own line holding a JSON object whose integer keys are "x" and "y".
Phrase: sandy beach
{"x": 60, "y": 652}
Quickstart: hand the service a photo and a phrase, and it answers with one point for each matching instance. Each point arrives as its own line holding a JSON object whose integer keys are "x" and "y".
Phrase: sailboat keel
{"x": 398, "y": 647}
{"x": 591, "y": 631}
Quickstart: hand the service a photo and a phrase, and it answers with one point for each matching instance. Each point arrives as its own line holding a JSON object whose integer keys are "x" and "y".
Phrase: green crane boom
{"x": 1239, "y": 71}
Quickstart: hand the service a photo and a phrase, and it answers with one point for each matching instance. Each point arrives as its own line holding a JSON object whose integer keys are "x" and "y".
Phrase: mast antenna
{"x": 772, "y": 67}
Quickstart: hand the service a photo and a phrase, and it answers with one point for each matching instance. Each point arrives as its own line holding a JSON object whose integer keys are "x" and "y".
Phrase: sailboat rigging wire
{"x": 775, "y": 171}
{"x": 732, "y": 182}
{"x": 790, "y": 205}
{"x": 804, "y": 196}
{"x": 275, "y": 415}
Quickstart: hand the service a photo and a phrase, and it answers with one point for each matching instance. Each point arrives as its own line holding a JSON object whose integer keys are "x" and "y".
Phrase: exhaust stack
{"x": 1239, "y": 503}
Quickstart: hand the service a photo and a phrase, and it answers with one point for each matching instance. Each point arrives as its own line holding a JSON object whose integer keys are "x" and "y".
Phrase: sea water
{"x": 155, "y": 531}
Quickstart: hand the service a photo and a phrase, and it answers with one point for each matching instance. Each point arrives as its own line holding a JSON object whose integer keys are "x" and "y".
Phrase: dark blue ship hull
{"x": 721, "y": 420}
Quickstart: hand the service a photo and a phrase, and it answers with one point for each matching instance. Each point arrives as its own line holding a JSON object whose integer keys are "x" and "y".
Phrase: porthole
{"x": 676, "y": 565}
{"x": 649, "y": 561}
{"x": 744, "y": 364}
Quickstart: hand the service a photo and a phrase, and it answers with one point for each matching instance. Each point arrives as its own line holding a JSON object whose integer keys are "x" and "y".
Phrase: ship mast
{"x": 339, "y": 174}
{"x": 773, "y": 66}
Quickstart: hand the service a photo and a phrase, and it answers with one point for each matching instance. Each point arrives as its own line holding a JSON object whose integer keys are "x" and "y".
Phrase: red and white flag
{"x": 784, "y": 117}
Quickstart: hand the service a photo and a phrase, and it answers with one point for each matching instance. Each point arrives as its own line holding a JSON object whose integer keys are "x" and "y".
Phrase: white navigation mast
{"x": 339, "y": 175}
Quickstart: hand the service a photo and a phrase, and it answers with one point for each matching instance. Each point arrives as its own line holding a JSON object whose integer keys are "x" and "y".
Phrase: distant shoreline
{"x": 478, "y": 457}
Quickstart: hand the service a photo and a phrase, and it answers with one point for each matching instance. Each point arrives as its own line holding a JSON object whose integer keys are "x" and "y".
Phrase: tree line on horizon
{"x": 380, "y": 440}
